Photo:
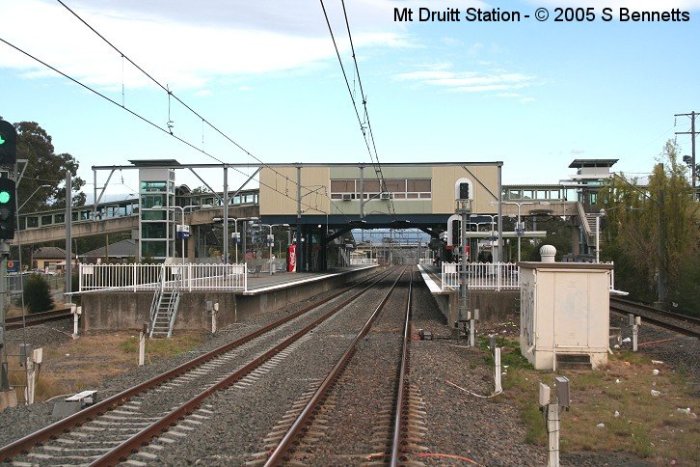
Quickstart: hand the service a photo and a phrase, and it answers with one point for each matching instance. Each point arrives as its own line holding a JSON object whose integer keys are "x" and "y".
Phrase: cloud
{"x": 470, "y": 81}
{"x": 183, "y": 44}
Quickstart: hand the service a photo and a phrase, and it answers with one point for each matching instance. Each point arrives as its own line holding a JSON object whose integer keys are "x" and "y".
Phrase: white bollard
{"x": 473, "y": 316}
{"x": 553, "y": 430}
{"x": 77, "y": 311}
{"x": 142, "y": 348}
{"x": 497, "y": 376}
{"x": 214, "y": 312}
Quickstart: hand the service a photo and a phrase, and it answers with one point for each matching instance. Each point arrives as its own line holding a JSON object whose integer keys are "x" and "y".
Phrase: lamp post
{"x": 182, "y": 223}
{"x": 236, "y": 235}
{"x": 271, "y": 239}
{"x": 519, "y": 227}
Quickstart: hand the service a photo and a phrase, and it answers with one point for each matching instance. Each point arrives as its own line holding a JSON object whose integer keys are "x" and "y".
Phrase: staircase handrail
{"x": 583, "y": 220}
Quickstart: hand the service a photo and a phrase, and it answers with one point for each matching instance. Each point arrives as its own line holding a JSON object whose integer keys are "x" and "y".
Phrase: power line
{"x": 172, "y": 95}
{"x": 374, "y": 157}
{"x": 144, "y": 119}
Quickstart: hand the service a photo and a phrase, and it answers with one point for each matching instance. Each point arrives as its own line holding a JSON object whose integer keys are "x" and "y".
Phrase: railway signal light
{"x": 7, "y": 208}
{"x": 464, "y": 190}
{"x": 8, "y": 144}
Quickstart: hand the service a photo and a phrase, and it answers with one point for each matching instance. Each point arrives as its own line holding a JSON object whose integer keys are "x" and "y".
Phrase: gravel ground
{"x": 461, "y": 428}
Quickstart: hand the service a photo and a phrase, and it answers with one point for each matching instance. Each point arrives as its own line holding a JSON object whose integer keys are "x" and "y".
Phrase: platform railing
{"x": 482, "y": 276}
{"x": 491, "y": 276}
{"x": 137, "y": 277}
{"x": 362, "y": 261}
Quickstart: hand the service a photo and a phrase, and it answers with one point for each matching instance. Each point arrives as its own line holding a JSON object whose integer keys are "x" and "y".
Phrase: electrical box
{"x": 38, "y": 355}
{"x": 216, "y": 306}
{"x": 544, "y": 395}
{"x": 562, "y": 387}
{"x": 564, "y": 312}
{"x": 209, "y": 305}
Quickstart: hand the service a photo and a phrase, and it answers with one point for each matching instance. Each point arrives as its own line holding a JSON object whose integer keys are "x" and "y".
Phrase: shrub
{"x": 37, "y": 294}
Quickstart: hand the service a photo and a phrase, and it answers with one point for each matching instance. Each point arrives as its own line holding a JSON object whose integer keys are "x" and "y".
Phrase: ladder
{"x": 163, "y": 319}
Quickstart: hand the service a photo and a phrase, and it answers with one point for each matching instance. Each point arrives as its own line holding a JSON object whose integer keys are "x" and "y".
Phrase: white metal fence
{"x": 186, "y": 276}
{"x": 483, "y": 276}
{"x": 360, "y": 261}
{"x": 491, "y": 276}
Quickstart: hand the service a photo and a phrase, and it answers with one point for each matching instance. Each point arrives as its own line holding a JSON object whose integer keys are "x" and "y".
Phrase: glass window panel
{"x": 153, "y": 249}
{"x": 155, "y": 230}
{"x": 152, "y": 186}
{"x": 412, "y": 195}
{"x": 32, "y": 221}
{"x": 46, "y": 220}
{"x": 153, "y": 201}
{"x": 59, "y": 218}
{"x": 343, "y": 186}
{"x": 153, "y": 215}
{"x": 393, "y": 186}
{"x": 399, "y": 195}
{"x": 370, "y": 186}
{"x": 419, "y": 185}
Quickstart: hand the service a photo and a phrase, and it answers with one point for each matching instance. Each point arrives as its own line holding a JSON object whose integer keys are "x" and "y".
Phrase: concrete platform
{"x": 115, "y": 310}
{"x": 494, "y": 306}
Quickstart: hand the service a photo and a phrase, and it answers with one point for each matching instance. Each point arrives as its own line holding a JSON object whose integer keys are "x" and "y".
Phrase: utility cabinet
{"x": 564, "y": 313}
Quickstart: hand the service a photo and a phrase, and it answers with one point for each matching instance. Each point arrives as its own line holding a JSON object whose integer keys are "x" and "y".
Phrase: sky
{"x": 266, "y": 85}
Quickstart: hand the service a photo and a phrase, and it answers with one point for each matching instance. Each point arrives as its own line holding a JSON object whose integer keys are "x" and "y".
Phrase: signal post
{"x": 8, "y": 209}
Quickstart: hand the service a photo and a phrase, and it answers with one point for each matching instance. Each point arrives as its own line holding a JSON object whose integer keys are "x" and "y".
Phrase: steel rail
{"x": 121, "y": 452}
{"x": 281, "y": 451}
{"x": 32, "y": 319}
{"x": 401, "y": 389}
{"x": 23, "y": 445}
{"x": 659, "y": 317}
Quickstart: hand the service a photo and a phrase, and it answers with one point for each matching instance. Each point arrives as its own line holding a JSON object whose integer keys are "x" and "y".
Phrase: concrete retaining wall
{"x": 494, "y": 307}
{"x": 129, "y": 310}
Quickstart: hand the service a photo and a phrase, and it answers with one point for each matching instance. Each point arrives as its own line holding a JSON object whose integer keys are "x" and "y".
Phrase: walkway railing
{"x": 362, "y": 261}
{"x": 138, "y": 277}
{"x": 491, "y": 276}
{"x": 482, "y": 276}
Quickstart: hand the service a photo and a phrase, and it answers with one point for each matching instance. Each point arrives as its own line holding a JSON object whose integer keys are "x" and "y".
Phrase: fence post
{"x": 245, "y": 277}
{"x": 80, "y": 277}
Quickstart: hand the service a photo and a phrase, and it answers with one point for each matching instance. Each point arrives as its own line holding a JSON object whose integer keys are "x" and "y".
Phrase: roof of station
{"x": 581, "y": 163}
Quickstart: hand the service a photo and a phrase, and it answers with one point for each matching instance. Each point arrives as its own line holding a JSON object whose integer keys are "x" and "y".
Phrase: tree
{"x": 45, "y": 167}
{"x": 652, "y": 233}
{"x": 37, "y": 294}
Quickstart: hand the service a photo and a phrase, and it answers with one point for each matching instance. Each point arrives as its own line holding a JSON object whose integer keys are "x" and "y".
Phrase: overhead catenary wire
{"x": 172, "y": 95}
{"x": 144, "y": 119}
{"x": 374, "y": 158}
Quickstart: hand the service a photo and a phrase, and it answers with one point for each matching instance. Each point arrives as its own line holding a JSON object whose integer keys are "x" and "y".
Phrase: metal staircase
{"x": 164, "y": 308}
{"x": 163, "y": 318}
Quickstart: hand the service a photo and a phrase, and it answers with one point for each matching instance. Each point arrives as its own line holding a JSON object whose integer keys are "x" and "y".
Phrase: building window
{"x": 400, "y": 188}
{"x": 154, "y": 230}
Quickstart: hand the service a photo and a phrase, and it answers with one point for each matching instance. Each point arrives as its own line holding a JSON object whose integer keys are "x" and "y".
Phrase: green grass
{"x": 176, "y": 345}
{"x": 647, "y": 426}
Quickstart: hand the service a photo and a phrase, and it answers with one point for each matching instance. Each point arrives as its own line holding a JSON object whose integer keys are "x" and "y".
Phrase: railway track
{"x": 322, "y": 428}
{"x": 684, "y": 324}
{"x": 32, "y": 319}
{"x": 174, "y": 402}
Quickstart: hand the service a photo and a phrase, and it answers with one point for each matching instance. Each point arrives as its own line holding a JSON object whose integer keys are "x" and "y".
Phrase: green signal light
{"x": 4, "y": 197}
{"x": 2, "y": 140}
